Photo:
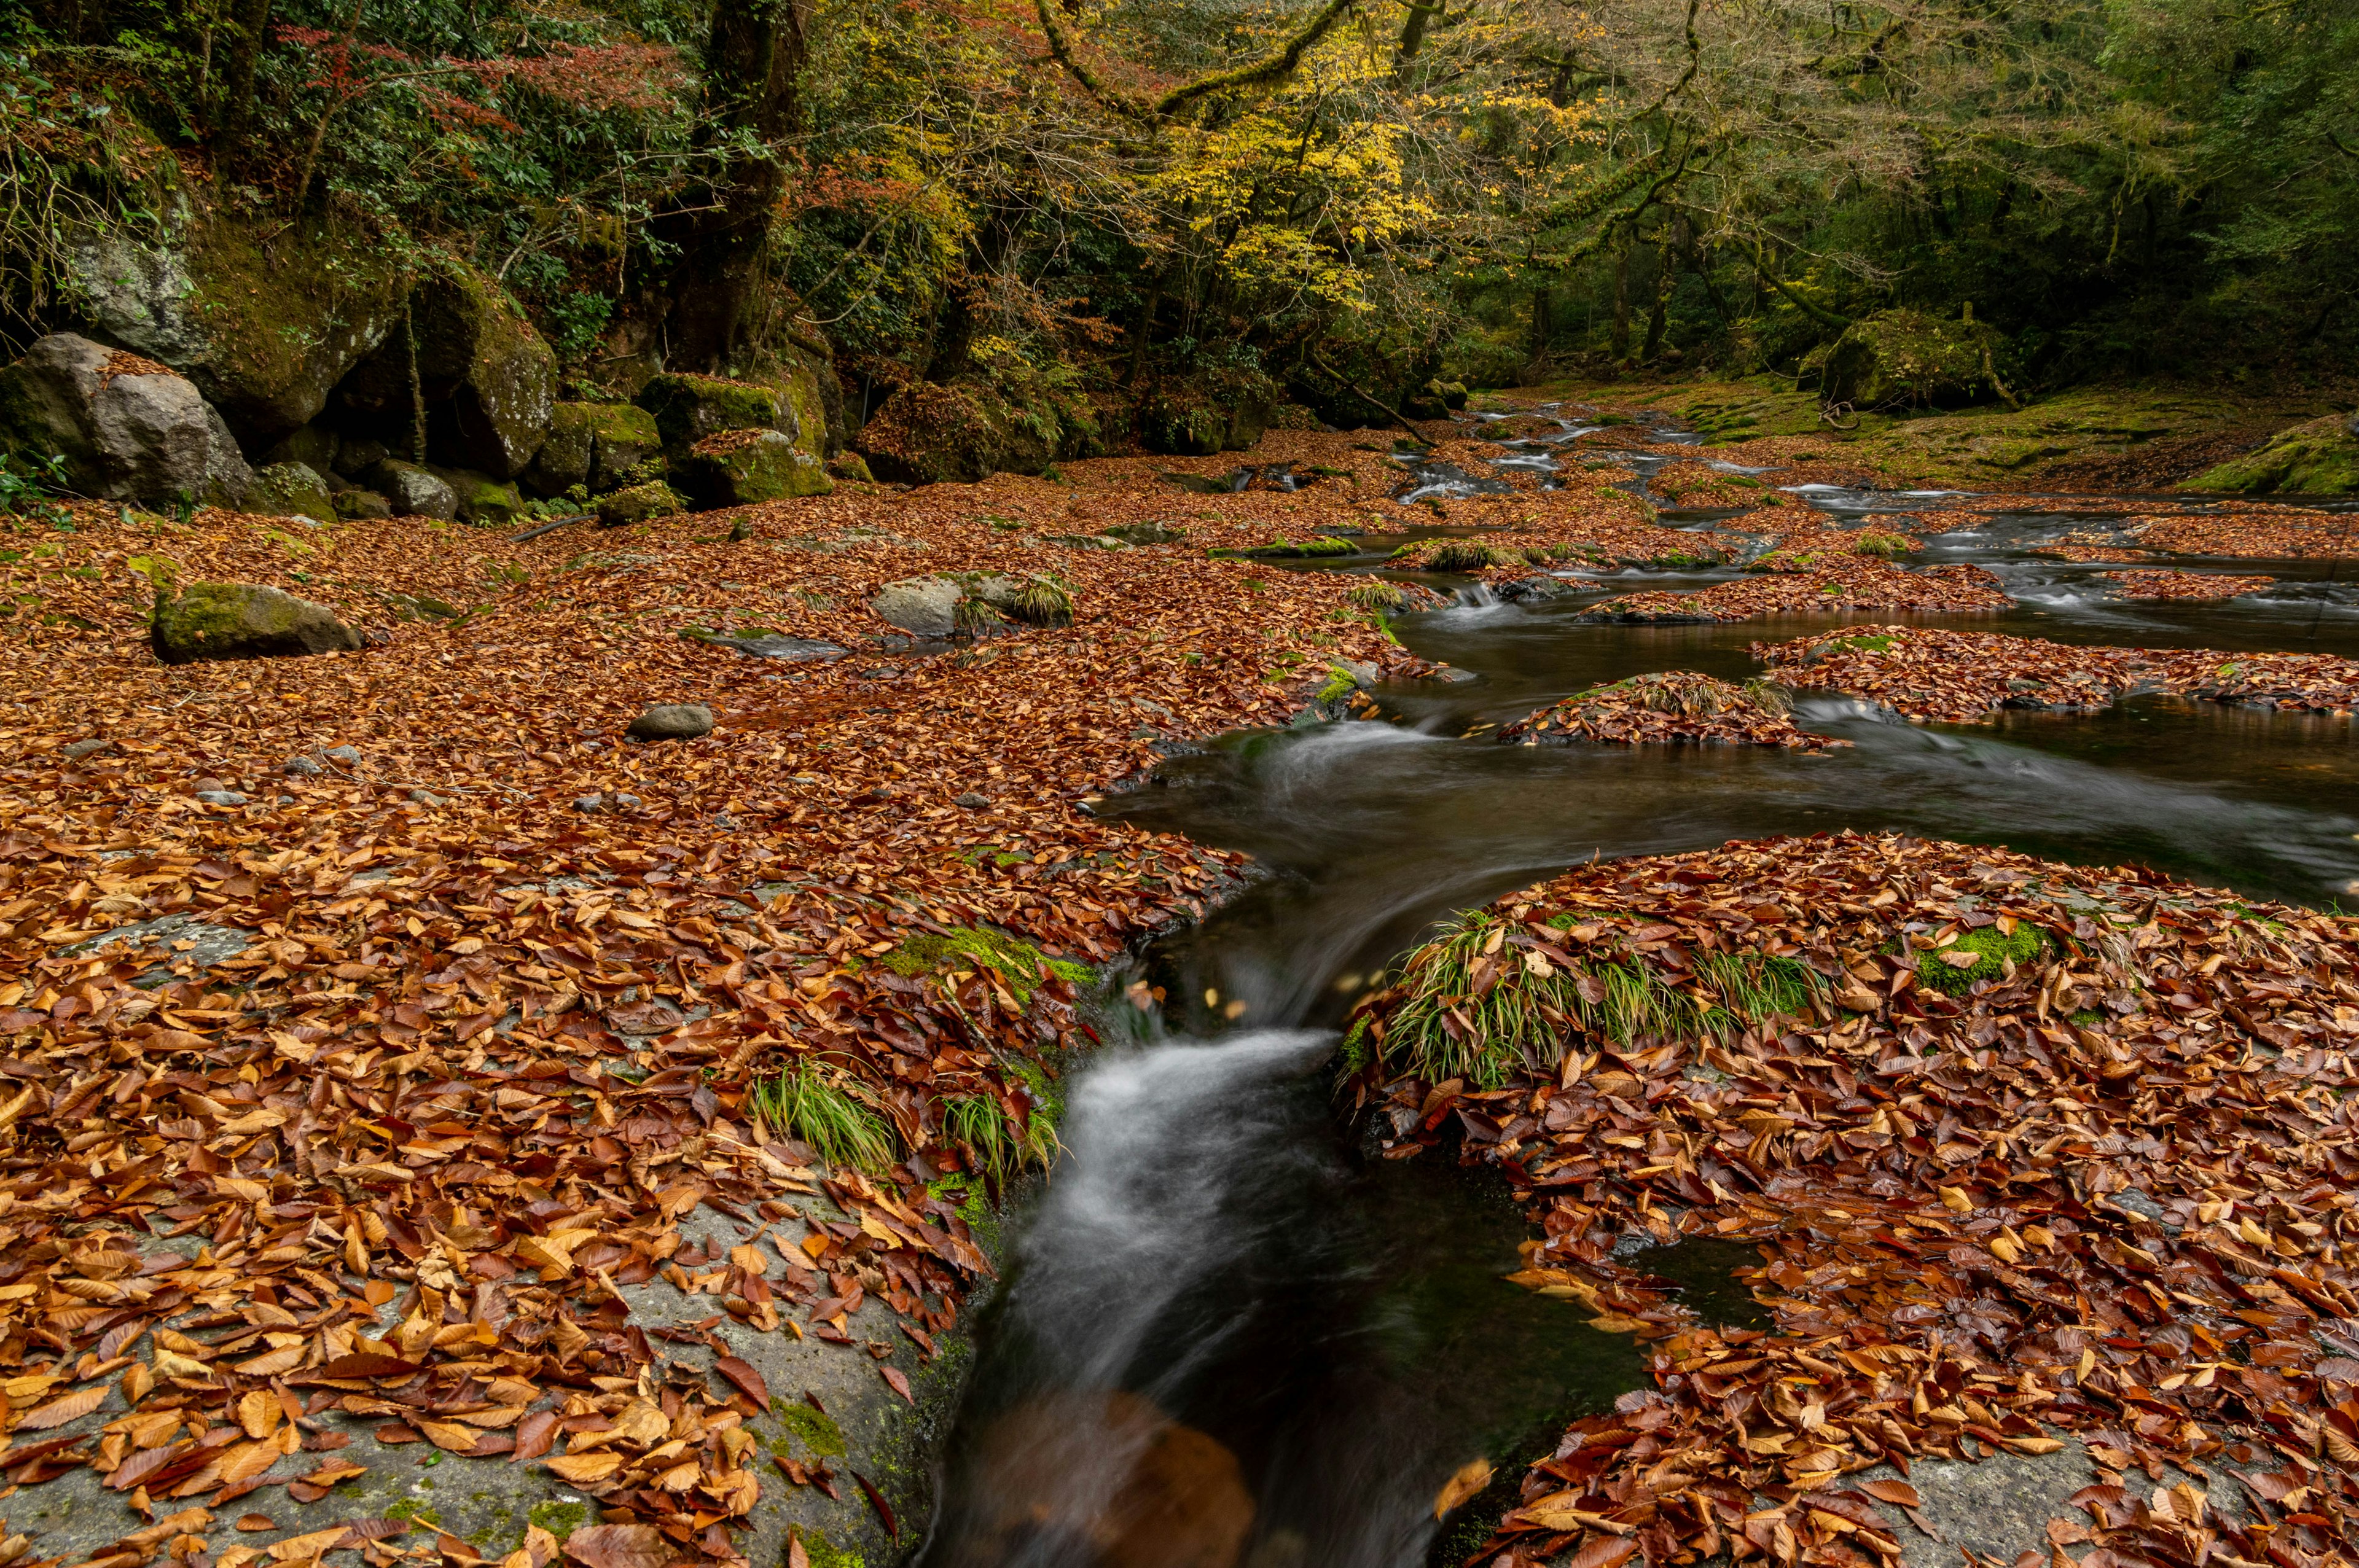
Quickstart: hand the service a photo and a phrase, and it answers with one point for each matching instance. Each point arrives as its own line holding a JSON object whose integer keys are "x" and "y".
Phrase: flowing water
{"x": 1232, "y": 1338}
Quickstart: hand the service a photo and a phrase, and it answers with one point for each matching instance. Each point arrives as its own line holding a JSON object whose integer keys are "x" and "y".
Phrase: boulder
{"x": 672, "y": 721}
{"x": 357, "y": 504}
{"x": 479, "y": 500}
{"x": 1207, "y": 412}
{"x": 264, "y": 315}
{"x": 1905, "y": 359}
{"x": 595, "y": 445}
{"x": 921, "y": 606}
{"x": 2320, "y": 457}
{"x": 411, "y": 491}
{"x": 128, "y": 427}
{"x": 687, "y": 408}
{"x": 487, "y": 379}
{"x": 740, "y": 468}
{"x": 638, "y": 505}
{"x": 243, "y": 620}
{"x": 849, "y": 467}
{"x": 964, "y": 431}
{"x": 290, "y": 490}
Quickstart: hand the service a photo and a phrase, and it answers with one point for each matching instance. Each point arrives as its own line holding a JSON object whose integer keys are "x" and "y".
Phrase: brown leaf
{"x": 742, "y": 1373}
{"x": 899, "y": 1381}
{"x": 57, "y": 1411}
{"x": 619, "y": 1546}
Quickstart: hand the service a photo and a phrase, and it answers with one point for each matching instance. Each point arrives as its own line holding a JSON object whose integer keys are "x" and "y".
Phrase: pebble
{"x": 220, "y": 798}
{"x": 301, "y": 767}
{"x": 82, "y": 748}
{"x": 347, "y": 756}
{"x": 973, "y": 801}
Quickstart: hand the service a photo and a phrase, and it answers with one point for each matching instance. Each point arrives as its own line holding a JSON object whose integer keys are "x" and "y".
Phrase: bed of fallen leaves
{"x": 1816, "y": 571}
{"x": 2258, "y": 530}
{"x": 2195, "y": 588}
{"x": 1670, "y": 706}
{"x": 361, "y": 1085}
{"x": 2107, "y": 1191}
{"x": 1927, "y": 673}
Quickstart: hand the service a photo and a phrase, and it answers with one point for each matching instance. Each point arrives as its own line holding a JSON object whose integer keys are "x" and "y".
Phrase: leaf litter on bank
{"x": 2026, "y": 1150}
{"x": 1676, "y": 706}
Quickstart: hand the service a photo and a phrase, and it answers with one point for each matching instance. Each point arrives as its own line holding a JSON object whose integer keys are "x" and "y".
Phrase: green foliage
{"x": 1875, "y": 542}
{"x": 834, "y": 1117}
{"x": 1476, "y": 1007}
{"x": 982, "y": 1125}
{"x": 1378, "y": 596}
{"x": 1017, "y": 962}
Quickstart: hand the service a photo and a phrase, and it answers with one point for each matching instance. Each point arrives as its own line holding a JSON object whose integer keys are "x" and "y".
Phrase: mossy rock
{"x": 639, "y": 504}
{"x": 2320, "y": 457}
{"x": 290, "y": 490}
{"x": 1017, "y": 962}
{"x": 1908, "y": 358}
{"x": 1209, "y": 412}
{"x": 487, "y": 379}
{"x": 243, "y": 620}
{"x": 479, "y": 500}
{"x": 598, "y": 446}
{"x": 687, "y": 408}
{"x": 264, "y": 316}
{"x": 743, "y": 468}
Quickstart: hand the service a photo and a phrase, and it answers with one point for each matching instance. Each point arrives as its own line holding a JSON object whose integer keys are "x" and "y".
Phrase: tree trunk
{"x": 754, "y": 66}
{"x": 987, "y": 253}
{"x": 1541, "y": 324}
{"x": 1622, "y": 302}
{"x": 1666, "y": 279}
{"x": 249, "y": 29}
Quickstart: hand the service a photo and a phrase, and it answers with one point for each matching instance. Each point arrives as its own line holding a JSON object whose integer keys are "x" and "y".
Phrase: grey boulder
{"x": 243, "y": 621}
{"x": 128, "y": 429}
{"x": 921, "y": 606}
{"x": 292, "y": 490}
{"x": 410, "y": 490}
{"x": 672, "y": 721}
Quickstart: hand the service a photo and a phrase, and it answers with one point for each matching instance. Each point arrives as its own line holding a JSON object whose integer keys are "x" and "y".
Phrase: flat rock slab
{"x": 772, "y": 645}
{"x": 207, "y": 945}
{"x": 489, "y": 1503}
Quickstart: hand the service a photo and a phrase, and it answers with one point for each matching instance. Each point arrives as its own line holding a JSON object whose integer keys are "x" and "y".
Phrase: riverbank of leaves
{"x": 1815, "y": 574}
{"x": 1674, "y": 707}
{"x": 1950, "y": 676}
{"x": 2185, "y": 587}
{"x": 2025, "y": 1149}
{"x": 367, "y": 1020}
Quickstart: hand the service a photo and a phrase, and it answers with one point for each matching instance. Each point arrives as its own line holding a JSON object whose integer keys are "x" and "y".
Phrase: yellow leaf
{"x": 1470, "y": 1479}
{"x": 585, "y": 1469}
{"x": 1955, "y": 1200}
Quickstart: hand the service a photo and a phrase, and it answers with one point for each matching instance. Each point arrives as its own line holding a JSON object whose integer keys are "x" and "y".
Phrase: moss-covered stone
{"x": 1017, "y": 963}
{"x": 243, "y": 620}
{"x": 742, "y": 467}
{"x": 464, "y": 348}
{"x": 264, "y": 316}
{"x": 687, "y": 408}
{"x": 290, "y": 490}
{"x": 2320, "y": 457}
{"x": 1994, "y": 951}
{"x": 638, "y": 505}
{"x": 563, "y": 460}
{"x": 479, "y": 500}
{"x": 1907, "y": 359}
{"x": 1208, "y": 412}
{"x": 561, "y": 1520}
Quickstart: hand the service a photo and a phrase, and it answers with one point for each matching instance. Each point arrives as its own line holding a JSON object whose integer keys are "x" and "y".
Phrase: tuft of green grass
{"x": 1992, "y": 951}
{"x": 990, "y": 1136}
{"x": 835, "y": 1119}
{"x": 1378, "y": 596}
{"x": 1476, "y": 1009}
{"x": 975, "y": 617}
{"x": 1016, "y": 961}
{"x": 1041, "y": 602}
{"x": 1466, "y": 555}
{"x": 1877, "y": 542}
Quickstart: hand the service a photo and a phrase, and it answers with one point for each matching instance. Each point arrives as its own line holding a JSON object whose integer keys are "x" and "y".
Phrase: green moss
{"x": 1341, "y": 684}
{"x": 411, "y": 1510}
{"x": 2320, "y": 457}
{"x": 825, "y": 1555}
{"x": 1016, "y": 961}
{"x": 1991, "y": 949}
{"x": 561, "y": 1520}
{"x": 1287, "y": 549}
{"x": 817, "y": 1429}
{"x": 1869, "y": 644}
{"x": 1875, "y": 542}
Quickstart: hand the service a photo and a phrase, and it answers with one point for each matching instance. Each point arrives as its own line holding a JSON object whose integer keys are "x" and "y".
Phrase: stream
{"x": 1232, "y": 1337}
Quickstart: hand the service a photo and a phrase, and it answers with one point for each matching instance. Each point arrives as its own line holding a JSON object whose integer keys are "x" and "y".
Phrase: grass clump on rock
{"x": 835, "y": 1119}
{"x": 1489, "y": 997}
{"x": 1997, "y": 953}
{"x": 1017, "y": 963}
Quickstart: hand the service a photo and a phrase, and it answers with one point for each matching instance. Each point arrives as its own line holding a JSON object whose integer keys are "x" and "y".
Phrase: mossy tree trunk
{"x": 249, "y": 29}
{"x": 754, "y": 65}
